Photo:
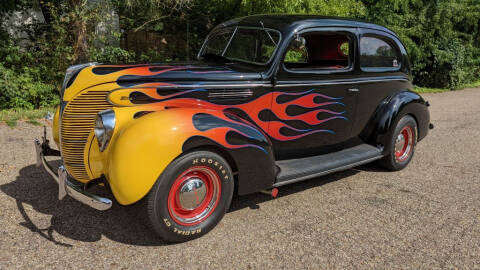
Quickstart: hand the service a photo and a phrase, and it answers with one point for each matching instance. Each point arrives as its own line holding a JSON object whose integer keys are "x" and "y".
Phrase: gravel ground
{"x": 426, "y": 216}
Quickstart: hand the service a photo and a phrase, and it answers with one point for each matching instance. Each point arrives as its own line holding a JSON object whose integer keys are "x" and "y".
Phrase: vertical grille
{"x": 78, "y": 120}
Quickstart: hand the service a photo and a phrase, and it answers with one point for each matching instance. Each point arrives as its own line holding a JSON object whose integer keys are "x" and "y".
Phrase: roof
{"x": 285, "y": 23}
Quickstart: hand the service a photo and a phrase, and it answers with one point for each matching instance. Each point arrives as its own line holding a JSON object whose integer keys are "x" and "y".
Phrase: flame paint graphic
{"x": 131, "y": 76}
{"x": 305, "y": 100}
{"x": 217, "y": 126}
{"x": 277, "y": 104}
{"x": 153, "y": 93}
{"x": 156, "y": 70}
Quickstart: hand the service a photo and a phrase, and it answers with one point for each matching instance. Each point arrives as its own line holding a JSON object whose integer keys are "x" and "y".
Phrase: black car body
{"x": 272, "y": 99}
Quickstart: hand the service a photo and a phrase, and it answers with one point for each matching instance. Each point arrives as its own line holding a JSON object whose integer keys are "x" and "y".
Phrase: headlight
{"x": 104, "y": 126}
{"x": 71, "y": 73}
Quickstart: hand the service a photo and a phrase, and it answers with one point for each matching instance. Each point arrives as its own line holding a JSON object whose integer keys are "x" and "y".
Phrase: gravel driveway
{"x": 426, "y": 216}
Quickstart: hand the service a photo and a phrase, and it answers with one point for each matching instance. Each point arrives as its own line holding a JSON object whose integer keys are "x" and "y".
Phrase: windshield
{"x": 250, "y": 45}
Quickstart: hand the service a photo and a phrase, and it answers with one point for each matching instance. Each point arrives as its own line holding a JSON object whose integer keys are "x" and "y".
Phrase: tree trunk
{"x": 80, "y": 46}
{"x": 79, "y": 32}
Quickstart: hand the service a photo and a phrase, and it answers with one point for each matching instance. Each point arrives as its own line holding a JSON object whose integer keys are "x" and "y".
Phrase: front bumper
{"x": 65, "y": 186}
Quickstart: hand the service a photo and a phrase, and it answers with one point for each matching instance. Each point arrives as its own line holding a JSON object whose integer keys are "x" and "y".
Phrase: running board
{"x": 295, "y": 170}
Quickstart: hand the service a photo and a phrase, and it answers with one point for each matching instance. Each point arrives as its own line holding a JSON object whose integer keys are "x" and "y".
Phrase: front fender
{"x": 142, "y": 148}
{"x": 389, "y": 112}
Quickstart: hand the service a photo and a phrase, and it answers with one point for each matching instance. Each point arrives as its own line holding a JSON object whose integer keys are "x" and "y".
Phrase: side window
{"x": 378, "y": 55}
{"x": 320, "y": 51}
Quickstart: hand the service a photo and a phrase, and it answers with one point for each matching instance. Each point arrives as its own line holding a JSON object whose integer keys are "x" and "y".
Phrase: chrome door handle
{"x": 353, "y": 90}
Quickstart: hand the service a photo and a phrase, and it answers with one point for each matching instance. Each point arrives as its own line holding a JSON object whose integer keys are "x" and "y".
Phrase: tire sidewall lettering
{"x": 219, "y": 167}
{"x": 211, "y": 163}
{"x": 158, "y": 204}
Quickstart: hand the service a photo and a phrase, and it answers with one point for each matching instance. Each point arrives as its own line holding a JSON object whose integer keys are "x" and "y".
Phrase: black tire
{"x": 168, "y": 216}
{"x": 396, "y": 160}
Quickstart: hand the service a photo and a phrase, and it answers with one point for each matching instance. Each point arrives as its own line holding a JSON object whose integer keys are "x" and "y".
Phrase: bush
{"x": 442, "y": 37}
{"x": 112, "y": 55}
{"x": 24, "y": 90}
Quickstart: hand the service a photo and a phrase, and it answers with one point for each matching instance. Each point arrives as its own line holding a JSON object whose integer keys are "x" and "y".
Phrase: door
{"x": 314, "y": 101}
{"x": 382, "y": 61}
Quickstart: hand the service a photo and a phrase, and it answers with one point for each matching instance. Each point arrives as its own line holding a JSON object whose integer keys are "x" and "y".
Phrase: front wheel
{"x": 401, "y": 144}
{"x": 191, "y": 196}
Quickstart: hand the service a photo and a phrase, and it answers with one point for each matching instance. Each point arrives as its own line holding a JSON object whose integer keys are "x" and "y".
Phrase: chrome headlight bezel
{"x": 104, "y": 126}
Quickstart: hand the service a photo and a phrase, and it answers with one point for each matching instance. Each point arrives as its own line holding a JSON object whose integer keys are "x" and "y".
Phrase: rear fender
{"x": 389, "y": 112}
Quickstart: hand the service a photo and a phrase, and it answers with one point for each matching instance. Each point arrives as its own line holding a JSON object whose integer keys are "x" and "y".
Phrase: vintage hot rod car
{"x": 272, "y": 100}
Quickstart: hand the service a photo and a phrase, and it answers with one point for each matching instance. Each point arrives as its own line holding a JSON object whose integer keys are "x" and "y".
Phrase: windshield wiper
{"x": 229, "y": 41}
{"x": 266, "y": 31}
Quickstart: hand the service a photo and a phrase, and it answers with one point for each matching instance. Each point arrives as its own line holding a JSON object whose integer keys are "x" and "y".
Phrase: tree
{"x": 344, "y": 8}
{"x": 441, "y": 36}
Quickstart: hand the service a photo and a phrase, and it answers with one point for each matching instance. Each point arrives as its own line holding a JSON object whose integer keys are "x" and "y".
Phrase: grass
{"x": 10, "y": 117}
{"x": 429, "y": 90}
{"x": 472, "y": 85}
{"x": 441, "y": 90}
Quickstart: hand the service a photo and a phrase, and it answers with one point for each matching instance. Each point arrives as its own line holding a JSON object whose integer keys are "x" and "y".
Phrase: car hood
{"x": 179, "y": 72}
{"x": 176, "y": 73}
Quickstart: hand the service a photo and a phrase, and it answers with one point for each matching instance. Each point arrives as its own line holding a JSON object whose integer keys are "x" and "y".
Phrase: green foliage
{"x": 429, "y": 90}
{"x": 24, "y": 90}
{"x": 112, "y": 55}
{"x": 11, "y": 123}
{"x": 344, "y": 8}
{"x": 293, "y": 56}
{"x": 442, "y": 37}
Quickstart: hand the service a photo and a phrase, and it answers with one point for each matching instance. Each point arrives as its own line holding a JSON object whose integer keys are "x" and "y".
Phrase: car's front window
{"x": 250, "y": 45}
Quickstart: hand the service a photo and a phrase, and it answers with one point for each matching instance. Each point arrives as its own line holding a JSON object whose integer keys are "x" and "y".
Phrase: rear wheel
{"x": 401, "y": 144}
{"x": 191, "y": 196}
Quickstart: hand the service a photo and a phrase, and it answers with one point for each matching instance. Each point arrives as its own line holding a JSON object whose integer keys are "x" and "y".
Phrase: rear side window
{"x": 378, "y": 55}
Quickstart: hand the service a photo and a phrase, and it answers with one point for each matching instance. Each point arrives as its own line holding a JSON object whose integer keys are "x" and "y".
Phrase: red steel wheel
{"x": 190, "y": 196}
{"x": 400, "y": 144}
{"x": 194, "y": 195}
{"x": 404, "y": 144}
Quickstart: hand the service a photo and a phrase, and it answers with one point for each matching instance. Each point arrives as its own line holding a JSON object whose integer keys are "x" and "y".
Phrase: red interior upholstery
{"x": 324, "y": 52}
{"x": 325, "y": 47}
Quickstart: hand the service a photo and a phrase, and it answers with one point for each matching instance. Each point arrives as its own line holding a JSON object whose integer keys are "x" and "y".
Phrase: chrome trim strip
{"x": 211, "y": 86}
{"x": 342, "y": 168}
{"x": 267, "y": 84}
{"x": 315, "y": 83}
{"x": 66, "y": 187}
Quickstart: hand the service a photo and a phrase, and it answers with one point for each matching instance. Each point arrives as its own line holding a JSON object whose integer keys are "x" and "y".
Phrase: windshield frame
{"x": 235, "y": 28}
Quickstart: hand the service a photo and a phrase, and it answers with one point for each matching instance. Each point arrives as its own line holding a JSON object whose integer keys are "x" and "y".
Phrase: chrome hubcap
{"x": 404, "y": 144}
{"x": 192, "y": 193}
{"x": 399, "y": 143}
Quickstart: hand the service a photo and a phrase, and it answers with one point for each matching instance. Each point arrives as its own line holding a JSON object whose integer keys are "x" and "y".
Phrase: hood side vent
{"x": 229, "y": 94}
